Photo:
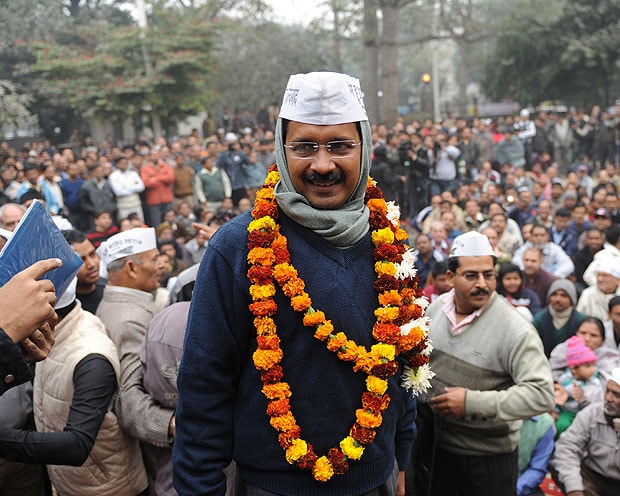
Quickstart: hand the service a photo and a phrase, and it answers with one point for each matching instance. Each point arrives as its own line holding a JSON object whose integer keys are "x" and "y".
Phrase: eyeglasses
{"x": 309, "y": 149}
{"x": 474, "y": 276}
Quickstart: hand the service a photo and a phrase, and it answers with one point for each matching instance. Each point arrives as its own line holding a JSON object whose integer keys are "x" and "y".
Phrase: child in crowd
{"x": 579, "y": 385}
{"x": 510, "y": 285}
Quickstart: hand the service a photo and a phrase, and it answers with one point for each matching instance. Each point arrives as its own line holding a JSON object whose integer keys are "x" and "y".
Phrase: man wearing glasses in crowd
{"x": 491, "y": 372}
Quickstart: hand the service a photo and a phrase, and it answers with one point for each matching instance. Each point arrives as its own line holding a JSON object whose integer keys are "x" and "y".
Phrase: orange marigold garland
{"x": 401, "y": 329}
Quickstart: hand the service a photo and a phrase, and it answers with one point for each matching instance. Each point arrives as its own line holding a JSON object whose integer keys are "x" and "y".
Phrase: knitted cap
{"x": 567, "y": 286}
{"x": 577, "y": 353}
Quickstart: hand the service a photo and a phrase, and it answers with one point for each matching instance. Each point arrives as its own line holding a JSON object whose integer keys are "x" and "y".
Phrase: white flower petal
{"x": 393, "y": 213}
{"x": 417, "y": 380}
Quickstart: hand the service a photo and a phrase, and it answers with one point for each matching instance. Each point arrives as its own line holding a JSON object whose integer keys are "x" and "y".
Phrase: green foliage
{"x": 14, "y": 111}
{"x": 572, "y": 57}
{"x": 118, "y": 72}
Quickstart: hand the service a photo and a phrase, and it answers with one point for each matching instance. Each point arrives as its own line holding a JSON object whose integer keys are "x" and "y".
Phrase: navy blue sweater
{"x": 221, "y": 412}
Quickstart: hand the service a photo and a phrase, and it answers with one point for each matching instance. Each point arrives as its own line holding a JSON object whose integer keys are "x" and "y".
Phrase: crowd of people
{"x": 515, "y": 225}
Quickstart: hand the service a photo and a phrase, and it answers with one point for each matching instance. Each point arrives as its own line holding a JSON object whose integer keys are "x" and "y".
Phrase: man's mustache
{"x": 479, "y": 292}
{"x": 316, "y": 178}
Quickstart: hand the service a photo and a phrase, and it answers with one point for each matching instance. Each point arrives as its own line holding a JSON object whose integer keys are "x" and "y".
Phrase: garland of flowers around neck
{"x": 400, "y": 329}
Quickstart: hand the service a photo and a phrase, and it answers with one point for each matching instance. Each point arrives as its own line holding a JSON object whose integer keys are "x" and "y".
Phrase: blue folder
{"x": 35, "y": 238}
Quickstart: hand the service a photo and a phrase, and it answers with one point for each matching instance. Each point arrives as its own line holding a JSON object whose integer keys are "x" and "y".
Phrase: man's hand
{"x": 39, "y": 344}
{"x": 203, "y": 232}
{"x": 561, "y": 395}
{"x": 400, "y": 487}
{"x": 451, "y": 403}
{"x": 27, "y": 303}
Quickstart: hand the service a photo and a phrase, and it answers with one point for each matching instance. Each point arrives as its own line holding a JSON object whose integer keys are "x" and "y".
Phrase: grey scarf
{"x": 343, "y": 227}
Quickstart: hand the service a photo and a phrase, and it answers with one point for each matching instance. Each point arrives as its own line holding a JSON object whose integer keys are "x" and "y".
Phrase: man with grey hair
{"x": 298, "y": 437}
{"x": 587, "y": 459}
{"x": 491, "y": 373}
{"x": 127, "y": 307}
{"x": 10, "y": 215}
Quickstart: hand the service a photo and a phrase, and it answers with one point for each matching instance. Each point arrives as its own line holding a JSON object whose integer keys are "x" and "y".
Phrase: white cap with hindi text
{"x": 323, "y": 98}
{"x": 126, "y": 243}
{"x": 471, "y": 244}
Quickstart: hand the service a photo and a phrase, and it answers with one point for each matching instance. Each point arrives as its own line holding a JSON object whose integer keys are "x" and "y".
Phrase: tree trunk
{"x": 370, "y": 74}
{"x": 463, "y": 77}
{"x": 336, "y": 35}
{"x": 389, "y": 63}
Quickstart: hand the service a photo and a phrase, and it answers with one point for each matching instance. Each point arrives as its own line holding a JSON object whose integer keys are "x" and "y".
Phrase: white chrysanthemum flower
{"x": 429, "y": 348}
{"x": 422, "y": 323}
{"x": 406, "y": 268}
{"x": 417, "y": 380}
{"x": 393, "y": 213}
{"x": 422, "y": 302}
{"x": 373, "y": 182}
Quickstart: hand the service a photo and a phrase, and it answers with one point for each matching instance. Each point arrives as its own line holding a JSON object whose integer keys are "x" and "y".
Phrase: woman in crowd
{"x": 510, "y": 285}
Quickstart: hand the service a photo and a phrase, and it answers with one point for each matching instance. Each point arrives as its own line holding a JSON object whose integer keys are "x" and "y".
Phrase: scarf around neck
{"x": 342, "y": 227}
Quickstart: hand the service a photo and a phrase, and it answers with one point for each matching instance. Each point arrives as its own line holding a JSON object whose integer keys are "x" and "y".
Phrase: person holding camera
{"x": 417, "y": 164}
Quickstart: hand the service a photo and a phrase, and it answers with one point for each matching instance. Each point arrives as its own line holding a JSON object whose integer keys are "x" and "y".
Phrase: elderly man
{"x": 489, "y": 376}
{"x": 594, "y": 300}
{"x": 132, "y": 262}
{"x": 586, "y": 459}
{"x": 555, "y": 259}
{"x": 311, "y": 233}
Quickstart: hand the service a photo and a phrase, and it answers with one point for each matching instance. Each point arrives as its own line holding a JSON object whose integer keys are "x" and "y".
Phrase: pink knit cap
{"x": 577, "y": 353}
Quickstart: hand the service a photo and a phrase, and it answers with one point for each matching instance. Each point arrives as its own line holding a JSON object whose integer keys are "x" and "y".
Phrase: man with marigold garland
{"x": 306, "y": 340}
{"x": 491, "y": 372}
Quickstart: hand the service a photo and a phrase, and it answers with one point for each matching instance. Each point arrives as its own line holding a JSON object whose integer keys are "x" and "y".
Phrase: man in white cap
{"x": 232, "y": 162}
{"x": 77, "y": 434}
{"x": 491, "y": 372}
{"x": 587, "y": 459}
{"x": 594, "y": 300}
{"x": 127, "y": 307}
{"x": 312, "y": 211}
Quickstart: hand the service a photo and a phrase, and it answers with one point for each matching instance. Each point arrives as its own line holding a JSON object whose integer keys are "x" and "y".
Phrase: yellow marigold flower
{"x": 390, "y": 298}
{"x": 272, "y": 178}
{"x": 383, "y": 350}
{"x": 386, "y": 314}
{"x": 368, "y": 419}
{"x": 385, "y": 268}
{"x": 411, "y": 340}
{"x": 382, "y": 236}
{"x": 264, "y": 223}
{"x": 351, "y": 448}
{"x": 313, "y": 317}
{"x": 277, "y": 391}
{"x": 265, "y": 326}
{"x": 401, "y": 235}
{"x": 363, "y": 361}
{"x": 301, "y": 303}
{"x": 296, "y": 450}
{"x": 376, "y": 385}
{"x": 262, "y": 292}
{"x": 322, "y": 470}
{"x": 351, "y": 350}
{"x": 324, "y": 330}
{"x": 377, "y": 205}
{"x": 265, "y": 359}
{"x": 284, "y": 272}
{"x": 265, "y": 194}
{"x": 293, "y": 287}
{"x": 284, "y": 423}
{"x": 279, "y": 241}
{"x": 261, "y": 256}
{"x": 336, "y": 342}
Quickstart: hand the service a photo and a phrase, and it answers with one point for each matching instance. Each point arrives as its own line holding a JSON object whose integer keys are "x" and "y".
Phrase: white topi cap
{"x": 323, "y": 98}
{"x": 68, "y": 296}
{"x": 127, "y": 243}
{"x": 471, "y": 244}
{"x": 607, "y": 268}
{"x": 615, "y": 375}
